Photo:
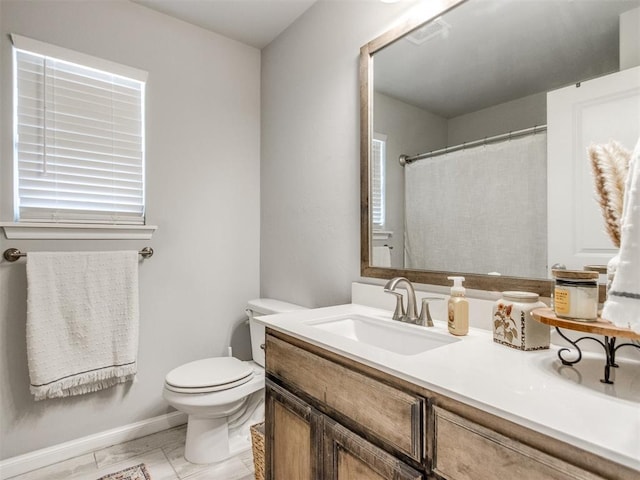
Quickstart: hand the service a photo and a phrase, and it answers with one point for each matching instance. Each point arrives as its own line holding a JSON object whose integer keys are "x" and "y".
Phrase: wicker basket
{"x": 257, "y": 443}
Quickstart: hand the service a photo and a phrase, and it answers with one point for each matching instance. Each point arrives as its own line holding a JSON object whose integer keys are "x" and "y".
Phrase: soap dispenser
{"x": 458, "y": 308}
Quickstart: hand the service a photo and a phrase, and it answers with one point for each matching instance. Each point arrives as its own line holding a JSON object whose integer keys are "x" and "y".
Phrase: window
{"x": 379, "y": 156}
{"x": 78, "y": 137}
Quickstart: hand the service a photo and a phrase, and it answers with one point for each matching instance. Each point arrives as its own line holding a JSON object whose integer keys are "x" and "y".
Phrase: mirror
{"x": 461, "y": 79}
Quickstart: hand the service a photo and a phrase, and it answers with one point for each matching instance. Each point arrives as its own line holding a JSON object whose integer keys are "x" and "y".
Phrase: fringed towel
{"x": 623, "y": 302}
{"x": 82, "y": 321}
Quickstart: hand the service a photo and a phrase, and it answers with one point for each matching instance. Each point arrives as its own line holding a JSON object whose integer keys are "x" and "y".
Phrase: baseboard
{"x": 47, "y": 456}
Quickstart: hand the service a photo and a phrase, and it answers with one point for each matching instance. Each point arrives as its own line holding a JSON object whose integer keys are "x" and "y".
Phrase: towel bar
{"x": 13, "y": 254}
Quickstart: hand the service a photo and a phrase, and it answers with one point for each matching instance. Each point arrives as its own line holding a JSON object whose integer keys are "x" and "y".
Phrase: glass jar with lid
{"x": 576, "y": 295}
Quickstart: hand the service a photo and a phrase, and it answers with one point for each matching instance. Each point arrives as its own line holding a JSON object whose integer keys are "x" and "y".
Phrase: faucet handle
{"x": 425, "y": 315}
{"x": 398, "y": 313}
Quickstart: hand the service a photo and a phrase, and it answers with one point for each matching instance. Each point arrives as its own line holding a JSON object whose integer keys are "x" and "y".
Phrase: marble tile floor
{"x": 162, "y": 453}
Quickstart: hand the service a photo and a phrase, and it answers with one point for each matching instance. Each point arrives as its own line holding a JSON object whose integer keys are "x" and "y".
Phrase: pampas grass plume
{"x": 610, "y": 165}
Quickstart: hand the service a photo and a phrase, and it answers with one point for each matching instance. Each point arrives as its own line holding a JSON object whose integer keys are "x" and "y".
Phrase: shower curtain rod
{"x": 406, "y": 159}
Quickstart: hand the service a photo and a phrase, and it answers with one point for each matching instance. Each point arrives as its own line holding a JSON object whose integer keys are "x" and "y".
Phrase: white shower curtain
{"x": 479, "y": 210}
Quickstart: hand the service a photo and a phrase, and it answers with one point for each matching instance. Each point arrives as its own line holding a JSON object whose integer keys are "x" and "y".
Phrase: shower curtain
{"x": 479, "y": 210}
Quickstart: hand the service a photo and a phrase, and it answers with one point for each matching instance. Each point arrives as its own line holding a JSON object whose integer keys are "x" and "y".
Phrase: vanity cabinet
{"x": 327, "y": 421}
{"x": 304, "y": 444}
{"x": 330, "y": 417}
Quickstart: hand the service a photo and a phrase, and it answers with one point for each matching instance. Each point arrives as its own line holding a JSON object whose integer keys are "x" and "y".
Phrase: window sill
{"x": 382, "y": 234}
{"x": 65, "y": 231}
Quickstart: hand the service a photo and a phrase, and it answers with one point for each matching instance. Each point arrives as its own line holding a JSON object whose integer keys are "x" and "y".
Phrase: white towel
{"x": 82, "y": 321}
{"x": 623, "y": 302}
{"x": 381, "y": 256}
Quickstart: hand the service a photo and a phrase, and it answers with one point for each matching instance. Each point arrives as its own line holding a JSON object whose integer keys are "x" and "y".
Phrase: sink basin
{"x": 391, "y": 335}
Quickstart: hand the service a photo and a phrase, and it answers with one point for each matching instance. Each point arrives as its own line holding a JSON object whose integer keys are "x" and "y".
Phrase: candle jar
{"x": 576, "y": 295}
{"x": 513, "y": 324}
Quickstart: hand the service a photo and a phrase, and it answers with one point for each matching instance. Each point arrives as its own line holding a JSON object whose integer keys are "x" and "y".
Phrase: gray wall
{"x": 310, "y": 177}
{"x": 506, "y": 117}
{"x": 203, "y": 181}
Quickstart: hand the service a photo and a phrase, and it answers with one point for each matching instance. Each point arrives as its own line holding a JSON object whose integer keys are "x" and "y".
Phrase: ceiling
{"x": 488, "y": 52}
{"x": 253, "y": 22}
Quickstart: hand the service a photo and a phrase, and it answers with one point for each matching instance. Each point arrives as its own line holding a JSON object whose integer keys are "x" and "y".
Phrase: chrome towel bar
{"x": 13, "y": 254}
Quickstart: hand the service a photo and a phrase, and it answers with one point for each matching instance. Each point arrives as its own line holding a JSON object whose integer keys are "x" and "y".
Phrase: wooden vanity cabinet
{"x": 329, "y": 417}
{"x": 304, "y": 444}
{"x": 327, "y": 421}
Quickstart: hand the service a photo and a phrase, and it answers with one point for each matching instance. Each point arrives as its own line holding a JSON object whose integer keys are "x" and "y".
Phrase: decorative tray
{"x": 599, "y": 327}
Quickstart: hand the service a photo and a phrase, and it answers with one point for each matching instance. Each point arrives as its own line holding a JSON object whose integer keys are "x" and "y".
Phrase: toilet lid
{"x": 208, "y": 375}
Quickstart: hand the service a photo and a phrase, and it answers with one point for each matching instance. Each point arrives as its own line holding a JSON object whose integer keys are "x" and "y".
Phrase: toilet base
{"x": 210, "y": 440}
{"x": 207, "y": 440}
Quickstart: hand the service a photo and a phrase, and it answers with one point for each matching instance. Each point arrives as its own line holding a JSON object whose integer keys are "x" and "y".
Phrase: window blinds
{"x": 377, "y": 182}
{"x": 79, "y": 137}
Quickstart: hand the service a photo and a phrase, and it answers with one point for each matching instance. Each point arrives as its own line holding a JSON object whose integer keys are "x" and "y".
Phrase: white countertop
{"x": 532, "y": 389}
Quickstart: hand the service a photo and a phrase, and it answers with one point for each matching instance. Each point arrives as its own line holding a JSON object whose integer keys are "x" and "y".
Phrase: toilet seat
{"x": 209, "y": 375}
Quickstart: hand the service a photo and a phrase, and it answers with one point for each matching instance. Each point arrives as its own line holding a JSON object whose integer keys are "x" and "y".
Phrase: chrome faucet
{"x": 411, "y": 314}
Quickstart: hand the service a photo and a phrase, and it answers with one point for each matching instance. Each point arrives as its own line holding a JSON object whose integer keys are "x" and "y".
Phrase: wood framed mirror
{"x": 565, "y": 36}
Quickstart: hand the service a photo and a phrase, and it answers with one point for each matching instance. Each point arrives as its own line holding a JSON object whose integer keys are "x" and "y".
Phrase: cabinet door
{"x": 349, "y": 457}
{"x": 293, "y": 437}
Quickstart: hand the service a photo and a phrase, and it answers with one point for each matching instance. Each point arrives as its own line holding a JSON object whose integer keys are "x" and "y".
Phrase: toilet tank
{"x": 264, "y": 306}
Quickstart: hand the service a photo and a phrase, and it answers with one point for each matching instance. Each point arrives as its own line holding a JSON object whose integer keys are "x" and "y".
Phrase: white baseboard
{"x": 47, "y": 456}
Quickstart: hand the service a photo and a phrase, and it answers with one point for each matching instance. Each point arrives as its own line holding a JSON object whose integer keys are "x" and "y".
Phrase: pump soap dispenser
{"x": 458, "y": 308}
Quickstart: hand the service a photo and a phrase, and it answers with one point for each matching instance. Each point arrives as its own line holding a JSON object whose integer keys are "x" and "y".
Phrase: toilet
{"x": 223, "y": 396}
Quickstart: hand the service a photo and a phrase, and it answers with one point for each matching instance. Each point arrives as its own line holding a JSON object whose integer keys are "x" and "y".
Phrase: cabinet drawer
{"x": 467, "y": 451}
{"x": 374, "y": 409}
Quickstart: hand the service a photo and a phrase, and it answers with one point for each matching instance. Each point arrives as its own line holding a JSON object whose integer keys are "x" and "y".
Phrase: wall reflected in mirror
{"x": 465, "y": 97}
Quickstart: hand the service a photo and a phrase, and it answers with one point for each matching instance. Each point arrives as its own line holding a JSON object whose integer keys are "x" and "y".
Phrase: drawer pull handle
{"x": 263, "y": 347}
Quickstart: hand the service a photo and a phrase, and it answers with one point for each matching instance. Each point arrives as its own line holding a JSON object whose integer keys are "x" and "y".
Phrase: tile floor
{"x": 162, "y": 453}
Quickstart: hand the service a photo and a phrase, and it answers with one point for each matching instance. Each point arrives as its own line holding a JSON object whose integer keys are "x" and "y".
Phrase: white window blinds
{"x": 378, "y": 153}
{"x": 78, "y": 137}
